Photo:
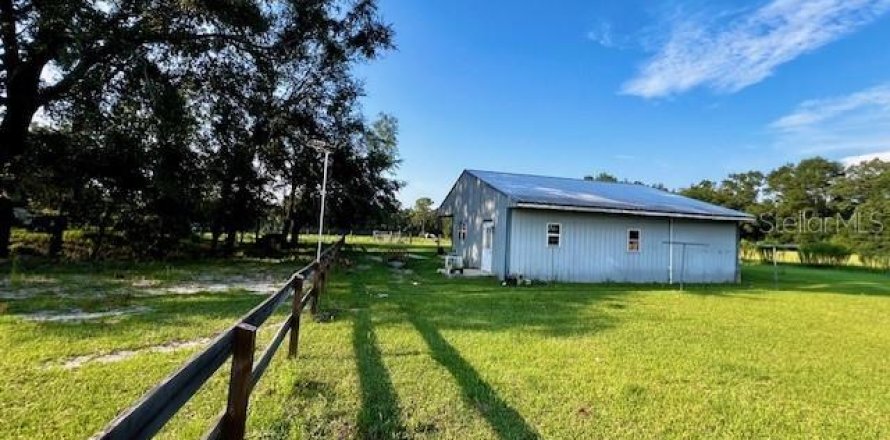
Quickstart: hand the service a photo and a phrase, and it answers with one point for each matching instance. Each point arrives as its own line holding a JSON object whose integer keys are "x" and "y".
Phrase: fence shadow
{"x": 505, "y": 420}
{"x": 380, "y": 415}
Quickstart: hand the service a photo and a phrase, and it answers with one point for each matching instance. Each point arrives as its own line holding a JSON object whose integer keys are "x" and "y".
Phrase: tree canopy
{"x": 163, "y": 119}
{"x": 813, "y": 201}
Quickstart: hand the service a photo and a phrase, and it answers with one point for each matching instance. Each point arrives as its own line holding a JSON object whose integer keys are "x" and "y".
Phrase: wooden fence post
{"x": 295, "y": 312}
{"x": 243, "y": 346}
{"x": 316, "y": 286}
{"x": 324, "y": 279}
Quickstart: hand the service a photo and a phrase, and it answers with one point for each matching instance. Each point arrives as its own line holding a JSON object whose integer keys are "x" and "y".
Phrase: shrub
{"x": 765, "y": 251}
{"x": 77, "y": 245}
{"x": 748, "y": 250}
{"x": 824, "y": 254}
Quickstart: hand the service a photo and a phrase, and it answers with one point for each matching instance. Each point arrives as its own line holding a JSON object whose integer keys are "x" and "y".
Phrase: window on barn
{"x": 554, "y": 231}
{"x": 462, "y": 231}
{"x": 633, "y": 240}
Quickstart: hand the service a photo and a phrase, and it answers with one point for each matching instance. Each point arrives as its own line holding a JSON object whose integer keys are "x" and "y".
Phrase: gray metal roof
{"x": 576, "y": 194}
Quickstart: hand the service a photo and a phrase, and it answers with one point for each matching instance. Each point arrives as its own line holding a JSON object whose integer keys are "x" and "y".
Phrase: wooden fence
{"x": 145, "y": 418}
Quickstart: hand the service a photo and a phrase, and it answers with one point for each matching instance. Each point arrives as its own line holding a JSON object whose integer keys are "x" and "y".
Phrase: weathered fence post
{"x": 316, "y": 286}
{"x": 324, "y": 279}
{"x": 243, "y": 345}
{"x": 295, "y": 312}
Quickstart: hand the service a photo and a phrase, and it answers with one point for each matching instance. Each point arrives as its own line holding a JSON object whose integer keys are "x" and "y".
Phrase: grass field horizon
{"x": 412, "y": 354}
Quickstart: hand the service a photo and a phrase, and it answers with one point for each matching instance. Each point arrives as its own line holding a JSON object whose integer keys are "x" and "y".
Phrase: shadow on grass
{"x": 797, "y": 278}
{"x": 506, "y": 421}
{"x": 380, "y": 416}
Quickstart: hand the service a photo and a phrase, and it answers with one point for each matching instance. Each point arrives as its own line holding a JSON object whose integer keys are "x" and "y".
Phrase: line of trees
{"x": 145, "y": 122}
{"x": 828, "y": 209}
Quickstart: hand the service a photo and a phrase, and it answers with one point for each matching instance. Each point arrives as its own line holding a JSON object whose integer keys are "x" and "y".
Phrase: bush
{"x": 77, "y": 245}
{"x": 824, "y": 254}
{"x": 748, "y": 250}
{"x": 765, "y": 251}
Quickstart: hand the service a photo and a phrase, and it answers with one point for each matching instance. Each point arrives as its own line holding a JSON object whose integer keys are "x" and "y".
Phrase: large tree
{"x": 204, "y": 100}
{"x": 422, "y": 215}
{"x": 51, "y": 47}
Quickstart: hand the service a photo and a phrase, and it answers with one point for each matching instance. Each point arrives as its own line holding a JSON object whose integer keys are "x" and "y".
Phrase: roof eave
{"x": 645, "y": 213}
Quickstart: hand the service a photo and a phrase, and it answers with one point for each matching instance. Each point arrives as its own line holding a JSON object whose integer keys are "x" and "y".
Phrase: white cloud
{"x": 729, "y": 51}
{"x": 602, "y": 34}
{"x": 857, "y": 124}
{"x": 812, "y": 112}
{"x": 854, "y": 160}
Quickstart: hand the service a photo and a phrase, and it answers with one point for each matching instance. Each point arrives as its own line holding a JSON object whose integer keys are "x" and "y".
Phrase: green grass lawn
{"x": 411, "y": 354}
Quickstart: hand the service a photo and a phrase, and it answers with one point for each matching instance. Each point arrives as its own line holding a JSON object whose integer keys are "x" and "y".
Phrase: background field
{"x": 412, "y": 354}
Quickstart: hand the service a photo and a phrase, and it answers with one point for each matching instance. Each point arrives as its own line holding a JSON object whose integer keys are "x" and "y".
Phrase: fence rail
{"x": 147, "y": 416}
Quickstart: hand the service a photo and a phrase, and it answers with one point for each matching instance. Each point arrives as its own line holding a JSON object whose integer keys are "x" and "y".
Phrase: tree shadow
{"x": 503, "y": 419}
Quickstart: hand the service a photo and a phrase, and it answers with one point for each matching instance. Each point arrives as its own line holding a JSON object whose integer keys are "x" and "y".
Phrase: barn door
{"x": 487, "y": 244}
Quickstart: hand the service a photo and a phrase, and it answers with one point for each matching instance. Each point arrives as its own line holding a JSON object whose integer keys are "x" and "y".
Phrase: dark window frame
{"x": 557, "y": 235}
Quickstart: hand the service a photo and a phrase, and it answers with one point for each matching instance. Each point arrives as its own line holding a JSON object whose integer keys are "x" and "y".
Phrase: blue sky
{"x": 669, "y": 92}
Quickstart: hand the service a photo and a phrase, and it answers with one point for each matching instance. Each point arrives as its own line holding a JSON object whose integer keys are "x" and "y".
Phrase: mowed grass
{"x": 412, "y": 354}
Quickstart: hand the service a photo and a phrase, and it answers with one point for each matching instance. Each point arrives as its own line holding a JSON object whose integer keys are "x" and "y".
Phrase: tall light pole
{"x": 321, "y": 147}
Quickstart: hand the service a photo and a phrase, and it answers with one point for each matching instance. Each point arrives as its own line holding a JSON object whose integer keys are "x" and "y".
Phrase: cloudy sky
{"x": 669, "y": 92}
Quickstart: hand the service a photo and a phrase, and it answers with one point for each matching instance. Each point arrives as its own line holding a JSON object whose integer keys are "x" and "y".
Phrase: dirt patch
{"x": 117, "y": 356}
{"x": 20, "y": 293}
{"x": 80, "y": 315}
{"x": 28, "y": 287}
{"x": 146, "y": 282}
{"x": 259, "y": 286}
{"x": 193, "y": 288}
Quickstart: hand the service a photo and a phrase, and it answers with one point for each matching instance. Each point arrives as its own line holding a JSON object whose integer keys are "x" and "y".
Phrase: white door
{"x": 487, "y": 243}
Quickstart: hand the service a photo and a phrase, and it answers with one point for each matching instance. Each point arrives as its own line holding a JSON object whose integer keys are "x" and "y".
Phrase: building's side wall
{"x": 474, "y": 202}
{"x": 594, "y": 248}
{"x": 717, "y": 262}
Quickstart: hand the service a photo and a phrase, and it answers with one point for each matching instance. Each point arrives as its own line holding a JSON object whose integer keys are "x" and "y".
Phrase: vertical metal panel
{"x": 593, "y": 248}
{"x": 473, "y": 201}
{"x": 713, "y": 263}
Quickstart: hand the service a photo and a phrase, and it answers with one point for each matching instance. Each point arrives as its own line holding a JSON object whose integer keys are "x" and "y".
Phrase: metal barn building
{"x": 559, "y": 229}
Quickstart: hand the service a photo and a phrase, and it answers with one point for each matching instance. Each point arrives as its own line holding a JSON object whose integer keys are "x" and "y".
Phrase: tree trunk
{"x": 290, "y": 207}
{"x": 21, "y": 104}
{"x": 295, "y": 232}
{"x": 60, "y": 223}
{"x": 22, "y": 87}
{"x": 285, "y": 227}
{"x": 98, "y": 242}
{"x": 214, "y": 237}
{"x": 6, "y": 217}
{"x": 231, "y": 235}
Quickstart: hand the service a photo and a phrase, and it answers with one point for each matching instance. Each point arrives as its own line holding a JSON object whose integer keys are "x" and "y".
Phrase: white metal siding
{"x": 713, "y": 263}
{"x": 593, "y": 248}
{"x": 474, "y": 202}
